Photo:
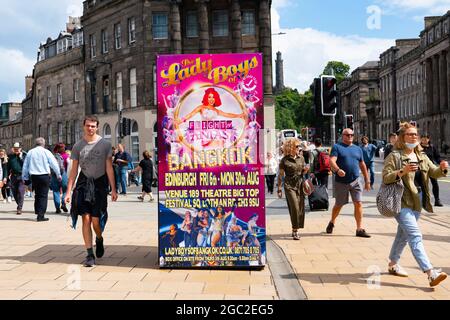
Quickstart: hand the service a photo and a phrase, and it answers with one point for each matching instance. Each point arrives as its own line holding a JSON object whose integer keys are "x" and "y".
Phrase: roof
{"x": 370, "y": 64}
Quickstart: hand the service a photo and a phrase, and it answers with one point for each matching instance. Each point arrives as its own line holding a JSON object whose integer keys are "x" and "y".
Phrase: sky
{"x": 315, "y": 32}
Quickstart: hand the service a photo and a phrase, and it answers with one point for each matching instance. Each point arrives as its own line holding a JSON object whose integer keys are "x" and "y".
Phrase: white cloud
{"x": 430, "y": 7}
{"x": 14, "y": 66}
{"x": 307, "y": 51}
{"x": 16, "y": 96}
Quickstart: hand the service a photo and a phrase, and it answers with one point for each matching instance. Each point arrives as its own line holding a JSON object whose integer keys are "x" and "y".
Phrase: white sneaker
{"x": 436, "y": 277}
{"x": 397, "y": 270}
{"x": 9, "y": 199}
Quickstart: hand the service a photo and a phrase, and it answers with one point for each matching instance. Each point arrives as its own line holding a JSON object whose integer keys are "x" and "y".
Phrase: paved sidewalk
{"x": 342, "y": 266}
{"x": 42, "y": 260}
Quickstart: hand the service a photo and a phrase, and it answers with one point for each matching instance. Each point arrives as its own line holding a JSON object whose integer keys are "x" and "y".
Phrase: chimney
{"x": 28, "y": 84}
{"x": 74, "y": 23}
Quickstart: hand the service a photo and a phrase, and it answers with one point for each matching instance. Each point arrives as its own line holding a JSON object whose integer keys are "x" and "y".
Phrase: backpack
{"x": 323, "y": 160}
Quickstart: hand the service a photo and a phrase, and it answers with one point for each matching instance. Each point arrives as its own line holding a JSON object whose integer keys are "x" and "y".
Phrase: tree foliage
{"x": 294, "y": 110}
{"x": 341, "y": 70}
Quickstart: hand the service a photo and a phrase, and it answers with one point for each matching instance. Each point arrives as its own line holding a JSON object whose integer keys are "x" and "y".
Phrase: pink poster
{"x": 211, "y": 183}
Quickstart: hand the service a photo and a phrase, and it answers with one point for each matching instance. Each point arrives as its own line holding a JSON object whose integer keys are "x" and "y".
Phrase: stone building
{"x": 27, "y": 122}
{"x": 414, "y": 82}
{"x": 58, "y": 91}
{"x": 124, "y": 37}
{"x": 11, "y": 132}
{"x": 8, "y": 111}
{"x": 360, "y": 98}
{"x": 395, "y": 92}
{"x": 435, "y": 61}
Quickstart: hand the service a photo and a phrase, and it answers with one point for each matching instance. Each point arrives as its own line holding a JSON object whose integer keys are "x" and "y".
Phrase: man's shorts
{"x": 342, "y": 189}
{"x": 95, "y": 209}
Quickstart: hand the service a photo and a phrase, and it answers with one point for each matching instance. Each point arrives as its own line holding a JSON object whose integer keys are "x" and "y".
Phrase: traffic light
{"x": 349, "y": 121}
{"x": 317, "y": 93}
{"x": 126, "y": 127}
{"x": 329, "y": 98}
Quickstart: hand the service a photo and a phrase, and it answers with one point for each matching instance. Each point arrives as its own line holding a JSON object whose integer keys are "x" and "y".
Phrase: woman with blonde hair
{"x": 408, "y": 163}
{"x": 292, "y": 168}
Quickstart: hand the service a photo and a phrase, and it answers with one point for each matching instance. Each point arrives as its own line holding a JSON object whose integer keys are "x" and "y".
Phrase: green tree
{"x": 286, "y": 105}
{"x": 341, "y": 70}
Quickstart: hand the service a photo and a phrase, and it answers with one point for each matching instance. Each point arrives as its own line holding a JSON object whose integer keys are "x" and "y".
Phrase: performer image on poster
{"x": 209, "y": 108}
{"x": 234, "y": 233}
{"x": 172, "y": 237}
{"x": 202, "y": 227}
{"x": 217, "y": 225}
{"x": 187, "y": 227}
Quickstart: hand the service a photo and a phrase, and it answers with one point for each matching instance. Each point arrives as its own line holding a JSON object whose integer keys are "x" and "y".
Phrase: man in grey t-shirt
{"x": 94, "y": 156}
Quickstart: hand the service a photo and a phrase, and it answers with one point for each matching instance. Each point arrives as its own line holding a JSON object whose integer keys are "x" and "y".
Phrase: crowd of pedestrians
{"x": 420, "y": 164}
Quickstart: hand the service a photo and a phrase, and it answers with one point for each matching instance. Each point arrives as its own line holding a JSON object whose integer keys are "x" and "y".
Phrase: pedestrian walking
{"x": 405, "y": 164}
{"x": 5, "y": 194}
{"x": 122, "y": 159}
{"x": 433, "y": 154}
{"x": 369, "y": 151}
{"x": 346, "y": 162}
{"x": 320, "y": 163}
{"x": 58, "y": 187}
{"x": 270, "y": 171}
{"x": 36, "y": 168}
{"x": 116, "y": 168}
{"x": 146, "y": 168}
{"x": 1, "y": 176}
{"x": 15, "y": 167}
{"x": 390, "y": 146}
{"x": 292, "y": 167}
{"x": 93, "y": 155}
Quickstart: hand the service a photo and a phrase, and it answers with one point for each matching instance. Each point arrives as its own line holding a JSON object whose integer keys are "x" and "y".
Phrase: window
{"x": 93, "y": 42}
{"x": 131, "y": 30}
{"x": 78, "y": 39}
{"x": 77, "y": 125}
{"x": 133, "y": 88}
{"x": 117, "y": 36}
{"x": 119, "y": 94}
{"x": 60, "y": 132}
{"x": 248, "y": 22}
{"x": 39, "y": 131}
{"x": 135, "y": 141}
{"x": 371, "y": 92}
{"x": 160, "y": 26}
{"x": 220, "y": 23}
{"x": 107, "y": 132}
{"x": 49, "y": 97}
{"x": 105, "y": 42}
{"x": 68, "y": 133}
{"x": 191, "y": 24}
{"x": 59, "y": 99}
{"x": 39, "y": 103}
{"x": 106, "y": 104}
{"x": 49, "y": 135}
{"x": 61, "y": 46}
{"x": 76, "y": 90}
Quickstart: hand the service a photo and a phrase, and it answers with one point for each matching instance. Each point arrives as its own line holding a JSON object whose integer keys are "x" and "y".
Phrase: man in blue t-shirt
{"x": 346, "y": 161}
{"x": 368, "y": 151}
